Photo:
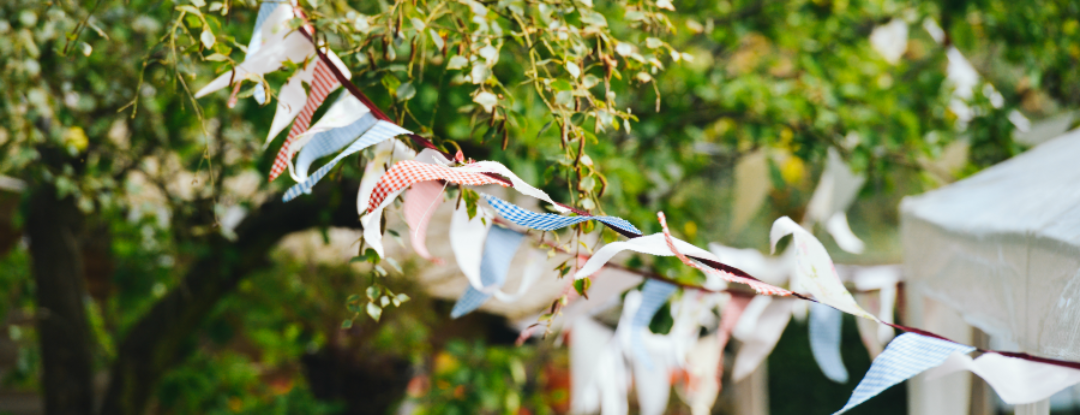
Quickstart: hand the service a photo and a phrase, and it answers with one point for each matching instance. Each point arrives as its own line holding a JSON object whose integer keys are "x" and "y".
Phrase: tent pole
{"x": 1038, "y": 408}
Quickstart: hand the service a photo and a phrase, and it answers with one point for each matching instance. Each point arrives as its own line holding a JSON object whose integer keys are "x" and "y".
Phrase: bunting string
{"x": 905, "y": 356}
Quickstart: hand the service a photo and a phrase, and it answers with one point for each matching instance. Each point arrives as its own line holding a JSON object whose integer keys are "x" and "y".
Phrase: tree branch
{"x": 163, "y": 337}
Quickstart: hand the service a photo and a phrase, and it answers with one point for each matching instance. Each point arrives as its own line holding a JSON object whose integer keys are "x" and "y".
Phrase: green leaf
{"x": 394, "y": 264}
{"x": 544, "y": 128}
{"x": 457, "y": 62}
{"x": 346, "y": 324}
{"x": 374, "y": 311}
{"x": 472, "y": 200}
{"x": 405, "y": 92}
{"x": 373, "y": 292}
{"x": 582, "y": 286}
{"x": 207, "y": 37}
{"x": 391, "y": 83}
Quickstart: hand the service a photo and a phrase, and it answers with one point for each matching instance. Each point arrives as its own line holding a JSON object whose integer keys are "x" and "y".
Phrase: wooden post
{"x": 1038, "y": 408}
{"x": 752, "y": 393}
{"x": 950, "y": 394}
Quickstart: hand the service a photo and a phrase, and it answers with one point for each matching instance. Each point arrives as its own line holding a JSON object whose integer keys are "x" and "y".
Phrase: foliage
{"x": 478, "y": 379}
{"x": 623, "y": 107}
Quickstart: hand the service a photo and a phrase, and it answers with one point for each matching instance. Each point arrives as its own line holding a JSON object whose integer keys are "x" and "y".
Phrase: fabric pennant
{"x": 344, "y": 122}
{"x": 323, "y": 83}
{"x": 293, "y": 98}
{"x": 534, "y": 267}
{"x": 700, "y": 383}
{"x": 729, "y": 317}
{"x": 838, "y": 227}
{"x": 499, "y": 250}
{"x": 549, "y": 221}
{"x": 420, "y": 203}
{"x": 762, "y": 323}
{"x": 834, "y": 194}
{"x": 653, "y": 295}
{"x": 825, "y": 329}
{"x": 409, "y": 172}
{"x": 605, "y": 290}
{"x": 266, "y": 8}
{"x": 1016, "y": 381}
{"x": 325, "y": 143}
{"x": 385, "y": 153}
{"x": 279, "y": 44}
{"x": 760, "y": 287}
{"x": 814, "y": 269}
{"x": 521, "y": 186}
{"x": 906, "y": 356}
{"x": 467, "y": 236}
{"x": 883, "y": 278}
{"x": 588, "y": 341}
{"x": 654, "y": 244}
{"x": 381, "y": 131}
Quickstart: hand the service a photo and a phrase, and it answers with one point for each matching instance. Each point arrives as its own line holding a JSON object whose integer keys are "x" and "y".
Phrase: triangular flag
{"x": 906, "y": 356}
{"x": 499, "y": 250}
{"x": 825, "y": 329}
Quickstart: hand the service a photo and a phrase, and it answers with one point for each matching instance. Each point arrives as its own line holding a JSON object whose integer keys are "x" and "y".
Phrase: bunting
{"x": 906, "y": 356}
{"x": 323, "y": 83}
{"x": 549, "y": 221}
{"x": 760, "y": 287}
{"x": 825, "y": 326}
{"x": 484, "y": 252}
{"x": 380, "y": 132}
{"x": 653, "y": 295}
{"x": 499, "y": 249}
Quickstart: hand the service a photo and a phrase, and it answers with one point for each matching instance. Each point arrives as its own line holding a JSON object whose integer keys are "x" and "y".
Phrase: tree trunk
{"x": 164, "y": 336}
{"x": 63, "y": 330}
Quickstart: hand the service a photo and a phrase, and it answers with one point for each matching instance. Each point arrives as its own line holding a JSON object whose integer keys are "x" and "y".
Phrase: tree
{"x": 625, "y": 108}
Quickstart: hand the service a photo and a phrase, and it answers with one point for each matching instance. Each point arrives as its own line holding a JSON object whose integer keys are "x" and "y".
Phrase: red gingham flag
{"x": 406, "y": 173}
{"x": 760, "y": 287}
{"x": 322, "y": 85}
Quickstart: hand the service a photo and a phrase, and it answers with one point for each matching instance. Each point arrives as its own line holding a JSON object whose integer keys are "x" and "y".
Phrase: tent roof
{"x": 1035, "y": 193}
{"x": 1003, "y": 247}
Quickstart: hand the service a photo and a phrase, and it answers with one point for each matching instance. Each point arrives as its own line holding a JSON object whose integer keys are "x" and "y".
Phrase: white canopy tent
{"x": 999, "y": 251}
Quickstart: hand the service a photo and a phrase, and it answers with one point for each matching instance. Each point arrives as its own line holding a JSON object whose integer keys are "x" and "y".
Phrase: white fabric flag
{"x": 520, "y": 185}
{"x": 759, "y": 329}
{"x": 1016, "y": 381}
{"x": 701, "y": 384}
{"x": 653, "y": 245}
{"x": 814, "y": 271}
{"x": 467, "y": 238}
{"x": 280, "y": 44}
{"x": 835, "y": 193}
{"x": 292, "y": 97}
{"x": 607, "y": 286}
{"x": 588, "y": 341}
{"x": 883, "y": 278}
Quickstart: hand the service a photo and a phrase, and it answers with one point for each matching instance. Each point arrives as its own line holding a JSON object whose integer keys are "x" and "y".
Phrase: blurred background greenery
{"x": 175, "y": 305}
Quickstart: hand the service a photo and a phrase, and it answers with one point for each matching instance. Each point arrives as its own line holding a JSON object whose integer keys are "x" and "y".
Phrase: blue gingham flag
{"x": 825, "y": 326}
{"x": 381, "y": 131}
{"x": 550, "y": 221}
{"x": 906, "y": 356}
{"x": 653, "y": 295}
{"x": 330, "y": 142}
{"x": 499, "y": 249}
{"x": 265, "y": 9}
